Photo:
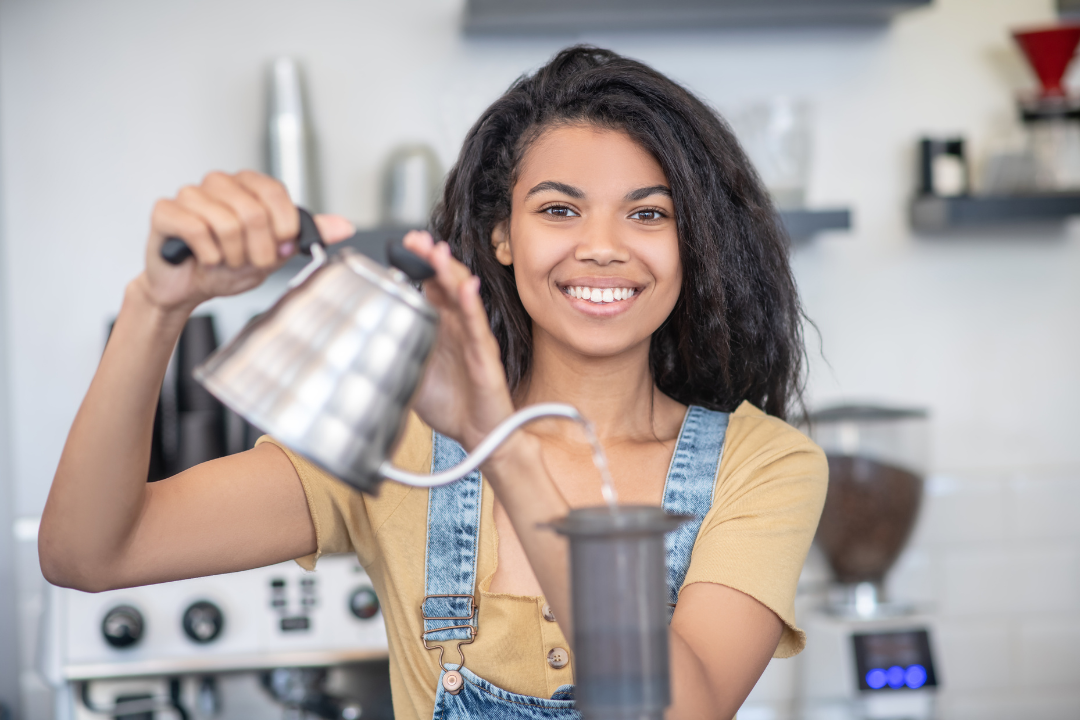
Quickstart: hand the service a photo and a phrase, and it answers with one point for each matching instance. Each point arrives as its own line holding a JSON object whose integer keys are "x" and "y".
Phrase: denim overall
{"x": 449, "y": 610}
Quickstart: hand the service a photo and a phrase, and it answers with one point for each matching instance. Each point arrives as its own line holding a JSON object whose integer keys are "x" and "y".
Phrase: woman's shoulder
{"x": 755, "y": 441}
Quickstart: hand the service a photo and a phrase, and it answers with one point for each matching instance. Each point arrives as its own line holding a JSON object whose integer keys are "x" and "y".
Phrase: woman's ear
{"x": 500, "y": 241}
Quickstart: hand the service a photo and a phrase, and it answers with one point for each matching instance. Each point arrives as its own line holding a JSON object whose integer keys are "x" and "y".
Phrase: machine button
{"x": 547, "y": 613}
{"x": 122, "y": 626}
{"x": 364, "y": 603}
{"x": 203, "y": 621}
{"x": 558, "y": 658}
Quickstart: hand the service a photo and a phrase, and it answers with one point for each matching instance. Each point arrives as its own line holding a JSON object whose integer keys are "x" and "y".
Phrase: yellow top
{"x": 769, "y": 493}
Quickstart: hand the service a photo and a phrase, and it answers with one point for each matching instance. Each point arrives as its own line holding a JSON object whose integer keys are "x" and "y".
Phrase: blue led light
{"x": 895, "y": 677}
{"x": 876, "y": 679}
{"x": 915, "y": 676}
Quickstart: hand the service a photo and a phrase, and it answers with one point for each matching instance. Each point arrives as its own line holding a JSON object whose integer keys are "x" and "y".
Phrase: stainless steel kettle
{"x": 331, "y": 368}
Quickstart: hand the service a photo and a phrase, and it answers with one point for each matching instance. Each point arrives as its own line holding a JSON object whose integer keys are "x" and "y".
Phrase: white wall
{"x": 106, "y": 106}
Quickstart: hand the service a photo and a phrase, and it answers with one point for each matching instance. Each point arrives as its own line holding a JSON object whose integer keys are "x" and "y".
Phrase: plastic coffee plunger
{"x": 618, "y": 586}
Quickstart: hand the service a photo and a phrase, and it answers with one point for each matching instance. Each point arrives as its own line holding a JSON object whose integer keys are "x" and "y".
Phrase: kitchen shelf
{"x": 803, "y": 224}
{"x": 515, "y": 17}
{"x": 931, "y": 214}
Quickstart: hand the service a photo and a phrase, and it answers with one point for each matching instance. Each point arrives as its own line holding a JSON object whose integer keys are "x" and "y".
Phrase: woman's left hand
{"x": 464, "y": 394}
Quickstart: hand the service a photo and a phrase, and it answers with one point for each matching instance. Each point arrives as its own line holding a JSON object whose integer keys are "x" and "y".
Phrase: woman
{"x": 607, "y": 244}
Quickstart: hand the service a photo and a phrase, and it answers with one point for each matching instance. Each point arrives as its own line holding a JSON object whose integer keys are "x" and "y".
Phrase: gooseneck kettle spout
{"x": 330, "y": 370}
{"x": 484, "y": 450}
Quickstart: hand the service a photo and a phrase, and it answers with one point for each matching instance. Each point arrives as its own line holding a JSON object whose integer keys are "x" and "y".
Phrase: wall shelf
{"x": 801, "y": 225}
{"x": 942, "y": 215}
{"x": 517, "y": 17}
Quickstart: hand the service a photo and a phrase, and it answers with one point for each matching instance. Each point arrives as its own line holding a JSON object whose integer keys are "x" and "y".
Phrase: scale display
{"x": 894, "y": 660}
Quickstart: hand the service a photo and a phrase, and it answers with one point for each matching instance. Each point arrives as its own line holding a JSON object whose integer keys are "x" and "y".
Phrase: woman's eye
{"x": 650, "y": 215}
{"x": 561, "y": 211}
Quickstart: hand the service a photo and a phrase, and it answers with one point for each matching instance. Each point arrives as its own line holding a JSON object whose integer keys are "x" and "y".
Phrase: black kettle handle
{"x": 175, "y": 251}
{"x": 408, "y": 262}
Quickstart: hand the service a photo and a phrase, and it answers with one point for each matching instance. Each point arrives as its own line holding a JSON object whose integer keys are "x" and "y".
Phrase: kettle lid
{"x": 393, "y": 280}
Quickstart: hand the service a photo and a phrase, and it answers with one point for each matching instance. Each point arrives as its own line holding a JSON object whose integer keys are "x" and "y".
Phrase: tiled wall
{"x": 995, "y": 560}
{"x": 998, "y": 554}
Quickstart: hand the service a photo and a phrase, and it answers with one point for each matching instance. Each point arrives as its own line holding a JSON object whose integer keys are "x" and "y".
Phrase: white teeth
{"x": 600, "y": 295}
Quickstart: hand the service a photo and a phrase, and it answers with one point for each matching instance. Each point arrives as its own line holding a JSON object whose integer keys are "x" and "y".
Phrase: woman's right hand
{"x": 240, "y": 228}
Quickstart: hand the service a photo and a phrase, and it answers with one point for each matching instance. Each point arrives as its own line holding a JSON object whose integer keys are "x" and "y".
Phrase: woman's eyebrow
{"x": 558, "y": 187}
{"x": 642, "y": 193}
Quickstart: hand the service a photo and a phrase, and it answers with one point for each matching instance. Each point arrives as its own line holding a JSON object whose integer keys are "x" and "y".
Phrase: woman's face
{"x": 592, "y": 240}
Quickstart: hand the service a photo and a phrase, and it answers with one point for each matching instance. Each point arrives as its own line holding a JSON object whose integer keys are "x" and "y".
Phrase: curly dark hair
{"x": 735, "y": 332}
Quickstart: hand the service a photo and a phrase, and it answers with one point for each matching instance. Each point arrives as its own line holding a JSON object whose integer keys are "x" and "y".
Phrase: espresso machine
{"x": 868, "y": 656}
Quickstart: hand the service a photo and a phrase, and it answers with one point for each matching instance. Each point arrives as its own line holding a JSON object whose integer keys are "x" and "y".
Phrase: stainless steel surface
{"x": 235, "y": 663}
{"x": 330, "y": 370}
{"x": 260, "y": 609}
{"x": 290, "y": 146}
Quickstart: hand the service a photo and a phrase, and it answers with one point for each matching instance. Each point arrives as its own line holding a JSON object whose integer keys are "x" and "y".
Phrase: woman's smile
{"x": 599, "y": 296}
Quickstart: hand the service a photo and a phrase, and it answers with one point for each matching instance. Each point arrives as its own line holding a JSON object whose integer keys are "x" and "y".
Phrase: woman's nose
{"x": 600, "y": 243}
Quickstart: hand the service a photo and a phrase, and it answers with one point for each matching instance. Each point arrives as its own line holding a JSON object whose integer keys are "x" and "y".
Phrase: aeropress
{"x": 619, "y": 597}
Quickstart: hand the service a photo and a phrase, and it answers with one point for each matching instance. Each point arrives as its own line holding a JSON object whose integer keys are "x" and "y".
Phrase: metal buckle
{"x": 468, "y": 626}
{"x": 470, "y": 616}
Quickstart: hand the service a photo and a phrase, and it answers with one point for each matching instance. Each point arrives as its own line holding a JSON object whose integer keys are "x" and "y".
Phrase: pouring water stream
{"x": 607, "y": 484}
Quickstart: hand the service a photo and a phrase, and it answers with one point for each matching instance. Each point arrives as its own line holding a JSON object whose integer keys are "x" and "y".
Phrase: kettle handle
{"x": 408, "y": 262}
{"x": 175, "y": 251}
{"x": 484, "y": 450}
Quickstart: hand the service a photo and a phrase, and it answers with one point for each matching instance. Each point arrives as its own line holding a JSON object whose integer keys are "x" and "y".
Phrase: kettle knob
{"x": 408, "y": 262}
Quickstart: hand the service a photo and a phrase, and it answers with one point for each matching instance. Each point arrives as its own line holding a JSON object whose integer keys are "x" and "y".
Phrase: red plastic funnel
{"x": 1050, "y": 50}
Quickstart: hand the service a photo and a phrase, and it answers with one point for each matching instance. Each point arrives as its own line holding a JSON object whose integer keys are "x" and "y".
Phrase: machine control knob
{"x": 122, "y": 626}
{"x": 364, "y": 603}
{"x": 203, "y": 621}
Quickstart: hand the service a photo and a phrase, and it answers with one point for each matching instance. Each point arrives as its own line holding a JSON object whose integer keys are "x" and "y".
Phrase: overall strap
{"x": 453, "y": 532}
{"x": 689, "y": 487}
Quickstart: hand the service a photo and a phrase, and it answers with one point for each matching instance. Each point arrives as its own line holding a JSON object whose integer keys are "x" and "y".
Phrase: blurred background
{"x": 928, "y": 180}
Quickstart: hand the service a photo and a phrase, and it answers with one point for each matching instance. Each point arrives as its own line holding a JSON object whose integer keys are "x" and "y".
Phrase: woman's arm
{"x": 103, "y": 525}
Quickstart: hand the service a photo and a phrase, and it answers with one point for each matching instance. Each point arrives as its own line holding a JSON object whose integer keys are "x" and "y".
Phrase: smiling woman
{"x": 602, "y": 241}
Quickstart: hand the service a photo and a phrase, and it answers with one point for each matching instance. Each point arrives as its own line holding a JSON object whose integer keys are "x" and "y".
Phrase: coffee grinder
{"x": 868, "y": 656}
